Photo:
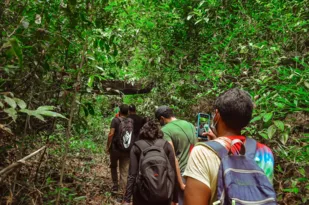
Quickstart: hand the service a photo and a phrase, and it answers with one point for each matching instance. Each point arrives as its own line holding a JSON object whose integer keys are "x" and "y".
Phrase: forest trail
{"x": 91, "y": 180}
{"x": 96, "y": 55}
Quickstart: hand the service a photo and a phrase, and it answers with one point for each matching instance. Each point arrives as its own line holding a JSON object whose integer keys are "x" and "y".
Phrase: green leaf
{"x": 29, "y": 112}
{"x": 45, "y": 107}
{"x": 257, "y": 118}
{"x": 306, "y": 84}
{"x": 198, "y": 21}
{"x": 292, "y": 190}
{"x": 38, "y": 113}
{"x": 40, "y": 117}
{"x": 279, "y": 105}
{"x": 271, "y": 131}
{"x": 17, "y": 50}
{"x": 267, "y": 117}
{"x": 100, "y": 68}
{"x": 20, "y": 103}
{"x": 79, "y": 198}
{"x": 189, "y": 17}
{"x": 279, "y": 124}
{"x": 33, "y": 113}
{"x": 284, "y": 138}
{"x": 11, "y": 102}
{"x": 11, "y": 112}
{"x": 50, "y": 113}
{"x": 263, "y": 134}
{"x": 90, "y": 81}
{"x": 1, "y": 104}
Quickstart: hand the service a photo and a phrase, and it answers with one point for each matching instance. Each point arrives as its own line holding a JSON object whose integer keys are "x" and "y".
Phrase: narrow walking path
{"x": 90, "y": 178}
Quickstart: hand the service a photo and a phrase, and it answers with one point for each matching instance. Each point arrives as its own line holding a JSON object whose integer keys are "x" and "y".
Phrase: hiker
{"x": 181, "y": 135}
{"x": 138, "y": 120}
{"x": 120, "y": 140}
{"x": 152, "y": 172}
{"x": 212, "y": 165}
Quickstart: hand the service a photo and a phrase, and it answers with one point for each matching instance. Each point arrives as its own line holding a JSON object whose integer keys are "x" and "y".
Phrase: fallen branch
{"x": 20, "y": 162}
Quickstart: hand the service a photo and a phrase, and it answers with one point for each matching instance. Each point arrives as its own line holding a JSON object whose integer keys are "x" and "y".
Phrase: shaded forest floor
{"x": 90, "y": 178}
{"x": 93, "y": 182}
{"x": 86, "y": 181}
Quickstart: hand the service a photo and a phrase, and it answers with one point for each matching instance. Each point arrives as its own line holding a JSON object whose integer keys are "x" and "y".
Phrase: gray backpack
{"x": 156, "y": 178}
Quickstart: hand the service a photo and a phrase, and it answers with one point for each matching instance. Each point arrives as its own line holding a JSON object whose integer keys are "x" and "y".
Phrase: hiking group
{"x": 165, "y": 163}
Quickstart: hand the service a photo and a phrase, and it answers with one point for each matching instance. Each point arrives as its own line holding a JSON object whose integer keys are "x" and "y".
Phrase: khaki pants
{"x": 123, "y": 159}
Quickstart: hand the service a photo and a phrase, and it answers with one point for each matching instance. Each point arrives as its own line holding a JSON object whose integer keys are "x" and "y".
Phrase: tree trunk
{"x": 68, "y": 130}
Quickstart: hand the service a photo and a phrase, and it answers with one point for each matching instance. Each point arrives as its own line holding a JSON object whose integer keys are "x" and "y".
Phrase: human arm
{"x": 265, "y": 160}
{"x": 168, "y": 137}
{"x": 196, "y": 192}
{"x": 179, "y": 178}
{"x": 171, "y": 156}
{"x": 202, "y": 173}
{"x": 210, "y": 135}
{"x": 110, "y": 138}
{"x": 133, "y": 170}
{"x": 111, "y": 133}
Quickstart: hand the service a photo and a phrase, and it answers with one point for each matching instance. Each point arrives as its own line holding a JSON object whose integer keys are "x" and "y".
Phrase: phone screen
{"x": 203, "y": 123}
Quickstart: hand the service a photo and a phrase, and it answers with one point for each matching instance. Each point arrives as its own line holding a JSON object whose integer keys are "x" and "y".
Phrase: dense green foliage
{"x": 189, "y": 51}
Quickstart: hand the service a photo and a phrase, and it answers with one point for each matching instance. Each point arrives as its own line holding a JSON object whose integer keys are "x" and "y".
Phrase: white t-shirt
{"x": 205, "y": 171}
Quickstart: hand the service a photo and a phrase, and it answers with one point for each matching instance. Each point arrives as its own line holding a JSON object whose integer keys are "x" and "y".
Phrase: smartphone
{"x": 203, "y": 124}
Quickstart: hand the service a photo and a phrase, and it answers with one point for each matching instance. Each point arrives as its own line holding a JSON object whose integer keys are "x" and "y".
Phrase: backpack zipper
{"x": 254, "y": 202}
{"x": 242, "y": 171}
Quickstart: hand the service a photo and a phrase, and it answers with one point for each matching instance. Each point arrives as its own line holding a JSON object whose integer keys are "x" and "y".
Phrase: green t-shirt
{"x": 182, "y": 134}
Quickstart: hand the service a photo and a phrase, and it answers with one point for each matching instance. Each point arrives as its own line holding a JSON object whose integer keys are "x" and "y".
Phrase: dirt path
{"x": 92, "y": 181}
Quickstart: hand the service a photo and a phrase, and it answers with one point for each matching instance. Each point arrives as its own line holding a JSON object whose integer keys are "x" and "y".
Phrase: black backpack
{"x": 125, "y": 137}
{"x": 156, "y": 178}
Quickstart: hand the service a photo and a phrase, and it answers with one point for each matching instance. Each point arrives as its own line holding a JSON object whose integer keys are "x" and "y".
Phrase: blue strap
{"x": 250, "y": 147}
{"x": 222, "y": 152}
{"x": 218, "y": 148}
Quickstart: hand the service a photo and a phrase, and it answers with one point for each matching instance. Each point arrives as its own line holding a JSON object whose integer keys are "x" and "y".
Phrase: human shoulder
{"x": 115, "y": 119}
{"x": 166, "y": 128}
{"x": 168, "y": 146}
{"x": 132, "y": 116}
{"x": 263, "y": 154}
{"x": 203, "y": 165}
{"x": 260, "y": 146}
{"x": 169, "y": 127}
{"x": 115, "y": 122}
{"x": 202, "y": 150}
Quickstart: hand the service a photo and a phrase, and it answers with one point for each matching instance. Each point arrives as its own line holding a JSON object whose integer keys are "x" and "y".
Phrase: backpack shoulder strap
{"x": 120, "y": 119}
{"x": 250, "y": 147}
{"x": 142, "y": 144}
{"x": 160, "y": 143}
{"x": 216, "y": 147}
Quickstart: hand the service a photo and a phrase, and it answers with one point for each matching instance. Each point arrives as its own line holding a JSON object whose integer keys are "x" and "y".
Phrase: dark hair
{"x": 132, "y": 108}
{"x": 164, "y": 111}
{"x": 235, "y": 107}
{"x": 151, "y": 131}
{"x": 124, "y": 109}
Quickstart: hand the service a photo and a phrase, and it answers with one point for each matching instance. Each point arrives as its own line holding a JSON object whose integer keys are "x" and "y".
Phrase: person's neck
{"x": 170, "y": 119}
{"x": 227, "y": 133}
{"x": 122, "y": 115}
